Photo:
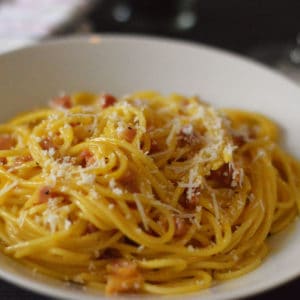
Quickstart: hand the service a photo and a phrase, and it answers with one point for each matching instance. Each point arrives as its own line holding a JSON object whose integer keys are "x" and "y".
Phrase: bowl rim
{"x": 96, "y": 38}
{"x": 43, "y": 288}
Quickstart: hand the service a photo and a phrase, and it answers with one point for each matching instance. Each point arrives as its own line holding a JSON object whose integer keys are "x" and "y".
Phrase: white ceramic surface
{"x": 120, "y": 64}
{"x": 9, "y": 44}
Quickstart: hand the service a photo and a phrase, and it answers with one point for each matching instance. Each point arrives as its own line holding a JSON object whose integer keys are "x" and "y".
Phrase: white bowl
{"x": 123, "y": 64}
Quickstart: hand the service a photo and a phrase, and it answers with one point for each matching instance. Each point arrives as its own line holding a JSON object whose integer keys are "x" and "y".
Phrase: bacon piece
{"x": 185, "y": 102}
{"x": 189, "y": 138}
{"x": 3, "y": 160}
{"x": 45, "y": 194}
{"x": 22, "y": 159}
{"x": 192, "y": 202}
{"x": 128, "y": 134}
{"x": 222, "y": 177}
{"x": 129, "y": 181}
{"x": 154, "y": 147}
{"x": 110, "y": 253}
{"x": 181, "y": 227}
{"x": 46, "y": 144}
{"x": 63, "y": 101}
{"x": 124, "y": 276}
{"x": 74, "y": 124}
{"x": 91, "y": 228}
{"x": 121, "y": 267}
{"x": 6, "y": 142}
{"x": 237, "y": 176}
{"x": 86, "y": 158}
{"x": 239, "y": 140}
{"x": 107, "y": 100}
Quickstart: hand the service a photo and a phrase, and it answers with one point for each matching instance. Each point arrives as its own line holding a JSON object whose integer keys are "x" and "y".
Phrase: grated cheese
{"x": 67, "y": 224}
{"x": 241, "y": 178}
{"x": 113, "y": 116}
{"x": 111, "y": 206}
{"x": 215, "y": 206}
{"x": 78, "y": 279}
{"x": 21, "y": 218}
{"x": 92, "y": 266}
{"x": 37, "y": 219}
{"x": 260, "y": 153}
{"x": 199, "y": 282}
{"x": 120, "y": 127}
{"x": 196, "y": 222}
{"x": 97, "y": 253}
{"x": 136, "y": 120}
{"x": 243, "y": 131}
{"x": 51, "y": 151}
{"x": 194, "y": 182}
{"x": 53, "y": 117}
{"x": 94, "y": 193}
{"x": 136, "y": 285}
{"x": 140, "y": 248}
{"x": 50, "y": 216}
{"x": 139, "y": 102}
{"x": 118, "y": 191}
{"x": 198, "y": 209}
{"x": 200, "y": 113}
{"x": 125, "y": 104}
{"x": 174, "y": 130}
{"x": 141, "y": 211}
{"x": 228, "y": 151}
{"x": 251, "y": 197}
{"x": 138, "y": 230}
{"x": 124, "y": 285}
{"x": 51, "y": 219}
{"x": 191, "y": 248}
{"x": 115, "y": 190}
{"x": 38, "y": 139}
{"x": 261, "y": 204}
{"x": 237, "y": 175}
{"x": 188, "y": 129}
{"x": 235, "y": 257}
{"x": 86, "y": 178}
{"x": 240, "y": 203}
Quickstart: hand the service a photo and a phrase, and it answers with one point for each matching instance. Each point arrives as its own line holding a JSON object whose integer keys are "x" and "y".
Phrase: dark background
{"x": 262, "y": 29}
{"x": 234, "y": 24}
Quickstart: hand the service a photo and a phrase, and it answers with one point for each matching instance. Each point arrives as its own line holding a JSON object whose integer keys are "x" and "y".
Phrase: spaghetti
{"x": 146, "y": 193}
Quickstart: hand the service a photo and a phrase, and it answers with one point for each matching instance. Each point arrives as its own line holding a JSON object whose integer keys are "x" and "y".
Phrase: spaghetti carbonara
{"x": 144, "y": 193}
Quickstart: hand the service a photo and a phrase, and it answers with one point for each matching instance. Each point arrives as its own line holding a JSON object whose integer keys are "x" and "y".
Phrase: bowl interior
{"x": 120, "y": 65}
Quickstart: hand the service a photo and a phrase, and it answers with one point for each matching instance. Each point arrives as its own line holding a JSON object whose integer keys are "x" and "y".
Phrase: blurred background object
{"x": 39, "y": 18}
{"x": 23, "y": 21}
{"x": 239, "y": 25}
{"x": 266, "y": 30}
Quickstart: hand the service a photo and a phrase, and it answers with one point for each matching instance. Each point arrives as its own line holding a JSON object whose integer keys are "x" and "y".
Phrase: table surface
{"x": 11, "y": 292}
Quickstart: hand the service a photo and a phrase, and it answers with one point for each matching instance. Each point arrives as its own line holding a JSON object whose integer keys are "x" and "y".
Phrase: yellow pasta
{"x": 145, "y": 194}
